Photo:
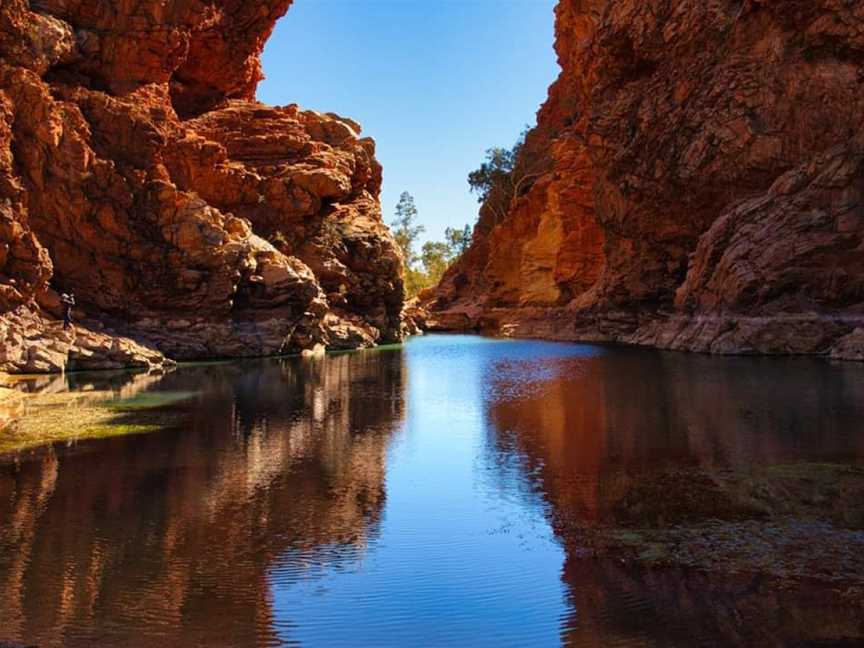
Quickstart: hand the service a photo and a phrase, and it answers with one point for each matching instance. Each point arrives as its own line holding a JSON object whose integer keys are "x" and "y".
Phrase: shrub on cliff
{"x": 505, "y": 175}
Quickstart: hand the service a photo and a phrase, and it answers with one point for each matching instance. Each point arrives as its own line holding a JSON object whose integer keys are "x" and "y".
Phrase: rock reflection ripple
{"x": 171, "y": 537}
{"x": 699, "y": 500}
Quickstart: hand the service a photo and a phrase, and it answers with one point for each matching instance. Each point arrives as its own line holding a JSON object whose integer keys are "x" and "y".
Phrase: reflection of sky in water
{"x": 504, "y": 436}
{"x": 453, "y": 562}
{"x": 398, "y": 497}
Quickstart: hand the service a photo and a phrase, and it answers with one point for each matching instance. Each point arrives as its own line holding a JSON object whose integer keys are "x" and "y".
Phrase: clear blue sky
{"x": 435, "y": 82}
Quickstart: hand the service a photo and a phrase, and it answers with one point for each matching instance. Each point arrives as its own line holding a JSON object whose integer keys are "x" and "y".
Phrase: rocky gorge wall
{"x": 703, "y": 186}
{"x": 138, "y": 171}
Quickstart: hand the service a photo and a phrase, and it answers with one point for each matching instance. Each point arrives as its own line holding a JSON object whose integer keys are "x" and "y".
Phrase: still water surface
{"x": 399, "y": 497}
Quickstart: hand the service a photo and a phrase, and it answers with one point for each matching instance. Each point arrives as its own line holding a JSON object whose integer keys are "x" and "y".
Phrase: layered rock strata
{"x": 138, "y": 171}
{"x": 702, "y": 187}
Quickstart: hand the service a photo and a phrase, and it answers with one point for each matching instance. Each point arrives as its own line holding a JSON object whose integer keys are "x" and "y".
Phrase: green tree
{"x": 458, "y": 240}
{"x": 505, "y": 175}
{"x": 415, "y": 281}
{"x": 426, "y": 268}
{"x": 494, "y": 173}
{"x": 436, "y": 257}
{"x": 406, "y": 231}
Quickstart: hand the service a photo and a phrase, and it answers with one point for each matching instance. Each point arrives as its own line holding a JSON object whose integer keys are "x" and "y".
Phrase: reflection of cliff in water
{"x": 587, "y": 430}
{"x": 588, "y": 426}
{"x": 172, "y": 535}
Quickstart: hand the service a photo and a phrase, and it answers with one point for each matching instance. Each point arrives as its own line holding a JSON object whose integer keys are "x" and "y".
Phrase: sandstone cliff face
{"x": 705, "y": 185}
{"x": 137, "y": 170}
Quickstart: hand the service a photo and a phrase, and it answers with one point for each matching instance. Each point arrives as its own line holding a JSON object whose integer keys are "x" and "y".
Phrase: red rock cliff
{"x": 704, "y": 187}
{"x": 137, "y": 170}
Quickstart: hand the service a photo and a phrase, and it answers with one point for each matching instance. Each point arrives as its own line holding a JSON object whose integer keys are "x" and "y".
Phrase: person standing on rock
{"x": 68, "y": 302}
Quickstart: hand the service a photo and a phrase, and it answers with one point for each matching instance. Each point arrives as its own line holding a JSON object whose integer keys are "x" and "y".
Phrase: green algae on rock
{"x": 43, "y": 418}
{"x": 148, "y": 400}
{"x": 787, "y": 522}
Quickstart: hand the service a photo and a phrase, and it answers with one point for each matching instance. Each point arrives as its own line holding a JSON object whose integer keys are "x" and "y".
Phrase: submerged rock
{"x": 38, "y": 412}
{"x": 793, "y": 523}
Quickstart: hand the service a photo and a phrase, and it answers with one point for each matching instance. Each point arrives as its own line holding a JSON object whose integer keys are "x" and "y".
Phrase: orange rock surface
{"x": 138, "y": 171}
{"x": 705, "y": 189}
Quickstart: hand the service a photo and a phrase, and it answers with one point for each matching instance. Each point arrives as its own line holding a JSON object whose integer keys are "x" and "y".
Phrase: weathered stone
{"x": 48, "y": 348}
{"x": 318, "y": 351}
{"x": 138, "y": 171}
{"x": 701, "y": 184}
{"x": 850, "y": 347}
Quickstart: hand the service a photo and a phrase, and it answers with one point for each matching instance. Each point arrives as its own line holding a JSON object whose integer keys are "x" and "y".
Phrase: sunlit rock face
{"x": 137, "y": 170}
{"x": 181, "y": 536}
{"x": 704, "y": 187}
